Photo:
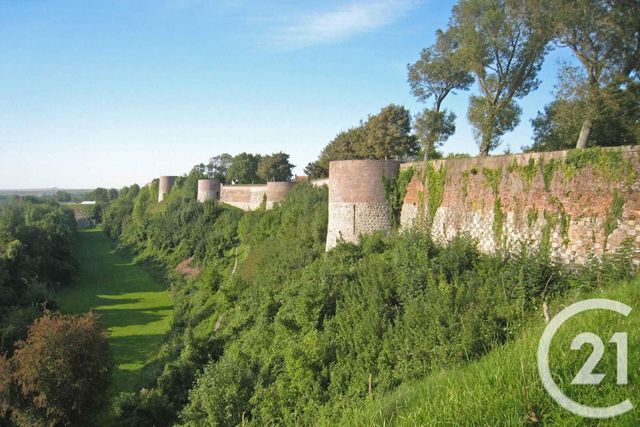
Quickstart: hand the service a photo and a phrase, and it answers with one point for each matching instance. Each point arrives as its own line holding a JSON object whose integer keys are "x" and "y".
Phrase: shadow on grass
{"x": 120, "y": 317}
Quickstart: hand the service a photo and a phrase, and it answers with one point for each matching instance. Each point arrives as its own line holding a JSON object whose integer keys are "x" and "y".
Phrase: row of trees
{"x": 54, "y": 369}
{"x": 501, "y": 44}
{"x": 247, "y": 168}
{"x": 35, "y": 259}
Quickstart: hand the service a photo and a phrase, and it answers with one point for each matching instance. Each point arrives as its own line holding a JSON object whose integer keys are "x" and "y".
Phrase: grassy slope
{"x": 503, "y": 388}
{"x": 135, "y": 308}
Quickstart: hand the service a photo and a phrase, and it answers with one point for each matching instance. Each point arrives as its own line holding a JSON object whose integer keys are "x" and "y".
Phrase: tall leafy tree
{"x": 218, "y": 166}
{"x": 388, "y": 135}
{"x": 62, "y": 371}
{"x": 439, "y": 71}
{"x": 604, "y": 37}
{"x": 244, "y": 169}
{"x": 346, "y": 145}
{"x": 275, "y": 167}
{"x": 503, "y": 44}
{"x": 558, "y": 127}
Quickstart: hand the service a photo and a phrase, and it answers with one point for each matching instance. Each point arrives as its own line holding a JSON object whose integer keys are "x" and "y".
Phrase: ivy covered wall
{"x": 575, "y": 204}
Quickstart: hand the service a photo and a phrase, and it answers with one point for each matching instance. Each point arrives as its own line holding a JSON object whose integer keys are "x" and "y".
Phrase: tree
{"x": 439, "y": 71}
{"x": 388, "y": 135}
{"x": 244, "y": 169}
{"x": 346, "y": 145}
{"x": 502, "y": 43}
{"x": 218, "y": 166}
{"x": 603, "y": 35}
{"x": 62, "y": 370}
{"x": 99, "y": 195}
{"x": 559, "y": 126}
{"x": 275, "y": 167}
{"x": 6, "y": 386}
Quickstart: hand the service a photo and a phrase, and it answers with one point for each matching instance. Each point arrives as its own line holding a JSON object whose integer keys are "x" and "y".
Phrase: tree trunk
{"x": 485, "y": 145}
{"x": 585, "y": 131}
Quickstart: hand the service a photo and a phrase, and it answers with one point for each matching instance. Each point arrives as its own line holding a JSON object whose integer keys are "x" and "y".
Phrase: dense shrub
{"x": 292, "y": 333}
{"x": 35, "y": 259}
{"x": 60, "y": 373}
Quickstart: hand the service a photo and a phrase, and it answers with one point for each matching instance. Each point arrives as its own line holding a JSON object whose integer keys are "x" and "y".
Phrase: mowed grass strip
{"x": 134, "y": 307}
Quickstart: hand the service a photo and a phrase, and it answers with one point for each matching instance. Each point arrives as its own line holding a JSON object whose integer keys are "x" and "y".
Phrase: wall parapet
{"x": 251, "y": 196}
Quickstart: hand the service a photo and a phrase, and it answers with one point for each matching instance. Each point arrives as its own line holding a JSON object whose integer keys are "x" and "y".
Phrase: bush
{"x": 61, "y": 371}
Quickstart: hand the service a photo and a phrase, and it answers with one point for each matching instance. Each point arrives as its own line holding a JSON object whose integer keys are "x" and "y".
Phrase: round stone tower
{"x": 357, "y": 203}
{"x": 208, "y": 189}
{"x": 277, "y": 192}
{"x": 165, "y": 185}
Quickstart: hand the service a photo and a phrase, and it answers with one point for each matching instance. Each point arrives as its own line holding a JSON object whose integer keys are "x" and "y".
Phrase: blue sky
{"x": 112, "y": 92}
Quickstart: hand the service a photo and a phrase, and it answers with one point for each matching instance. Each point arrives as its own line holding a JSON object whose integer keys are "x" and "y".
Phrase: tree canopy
{"x": 503, "y": 44}
{"x": 386, "y": 135}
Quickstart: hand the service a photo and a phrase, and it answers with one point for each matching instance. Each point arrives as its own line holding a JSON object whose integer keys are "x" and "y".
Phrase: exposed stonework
{"x": 208, "y": 189}
{"x": 165, "y": 185}
{"x": 357, "y": 204}
{"x": 576, "y": 206}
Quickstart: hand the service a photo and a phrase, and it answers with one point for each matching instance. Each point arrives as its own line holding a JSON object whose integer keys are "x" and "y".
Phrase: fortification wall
{"x": 165, "y": 185}
{"x": 208, "y": 189}
{"x": 357, "y": 203}
{"x": 577, "y": 203}
{"x": 277, "y": 192}
{"x": 246, "y": 197}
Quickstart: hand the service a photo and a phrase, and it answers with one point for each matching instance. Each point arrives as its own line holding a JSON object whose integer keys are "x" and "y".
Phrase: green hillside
{"x": 503, "y": 388}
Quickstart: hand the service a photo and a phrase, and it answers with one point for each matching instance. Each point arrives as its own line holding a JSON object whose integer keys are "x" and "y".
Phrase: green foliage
{"x": 35, "y": 259}
{"x": 609, "y": 164}
{"x": 435, "y": 181}
{"x": 433, "y": 128}
{"x": 439, "y": 71}
{"x": 548, "y": 169}
{"x": 503, "y": 43}
{"x": 135, "y": 307}
{"x": 218, "y": 166}
{"x": 492, "y": 178}
{"x": 386, "y": 135}
{"x": 528, "y": 172}
{"x": 598, "y": 34}
{"x": 394, "y": 192}
{"x": 244, "y": 169}
{"x": 532, "y": 218}
{"x": 275, "y": 167}
{"x": 345, "y": 145}
{"x": 61, "y": 372}
{"x": 614, "y": 214}
{"x": 504, "y": 388}
{"x": 465, "y": 184}
{"x": 498, "y": 221}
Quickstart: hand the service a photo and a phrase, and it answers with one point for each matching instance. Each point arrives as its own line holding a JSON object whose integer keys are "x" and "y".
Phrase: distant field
{"x": 135, "y": 308}
{"x": 41, "y": 192}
